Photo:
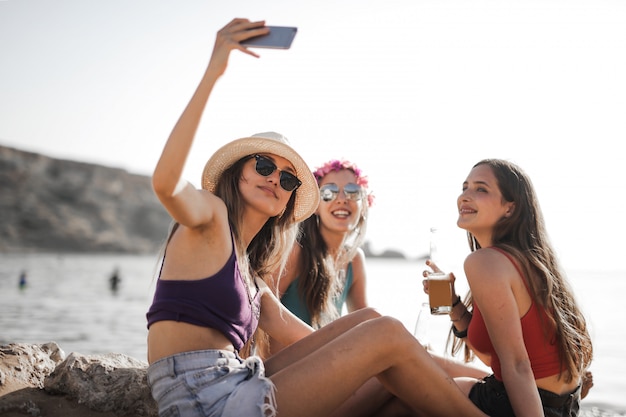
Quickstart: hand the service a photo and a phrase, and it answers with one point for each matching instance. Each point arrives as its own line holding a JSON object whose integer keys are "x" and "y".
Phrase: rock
{"x": 57, "y": 205}
{"x": 27, "y": 366}
{"x": 112, "y": 382}
{"x": 37, "y": 380}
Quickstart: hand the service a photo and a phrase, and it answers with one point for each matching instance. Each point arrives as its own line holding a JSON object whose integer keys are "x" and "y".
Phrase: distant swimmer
{"x": 115, "y": 280}
{"x": 22, "y": 281}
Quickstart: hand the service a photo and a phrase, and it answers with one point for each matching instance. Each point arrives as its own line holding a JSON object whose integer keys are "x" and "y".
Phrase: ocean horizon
{"x": 68, "y": 299}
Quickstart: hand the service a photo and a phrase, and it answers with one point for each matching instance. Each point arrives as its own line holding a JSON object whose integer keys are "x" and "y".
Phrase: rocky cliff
{"x": 57, "y": 205}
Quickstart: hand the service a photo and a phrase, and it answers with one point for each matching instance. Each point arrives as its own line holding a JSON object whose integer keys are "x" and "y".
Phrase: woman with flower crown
{"x": 326, "y": 268}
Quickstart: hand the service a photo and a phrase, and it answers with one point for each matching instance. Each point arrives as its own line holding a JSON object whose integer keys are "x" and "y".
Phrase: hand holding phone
{"x": 280, "y": 37}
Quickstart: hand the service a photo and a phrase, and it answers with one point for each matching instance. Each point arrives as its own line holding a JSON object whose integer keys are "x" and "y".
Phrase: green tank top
{"x": 295, "y": 303}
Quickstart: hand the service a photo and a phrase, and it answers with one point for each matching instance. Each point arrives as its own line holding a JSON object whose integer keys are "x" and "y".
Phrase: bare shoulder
{"x": 358, "y": 267}
{"x": 359, "y": 259}
{"x": 487, "y": 266}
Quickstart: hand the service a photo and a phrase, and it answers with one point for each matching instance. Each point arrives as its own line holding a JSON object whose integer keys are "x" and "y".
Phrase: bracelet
{"x": 458, "y": 300}
{"x": 461, "y": 334}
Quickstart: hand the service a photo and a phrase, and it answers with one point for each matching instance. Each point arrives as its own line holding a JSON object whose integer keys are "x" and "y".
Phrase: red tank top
{"x": 541, "y": 346}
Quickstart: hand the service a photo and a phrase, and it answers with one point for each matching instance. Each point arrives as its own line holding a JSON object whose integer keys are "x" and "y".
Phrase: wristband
{"x": 458, "y": 300}
{"x": 461, "y": 334}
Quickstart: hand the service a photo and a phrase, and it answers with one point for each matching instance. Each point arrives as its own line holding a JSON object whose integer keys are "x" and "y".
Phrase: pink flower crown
{"x": 338, "y": 165}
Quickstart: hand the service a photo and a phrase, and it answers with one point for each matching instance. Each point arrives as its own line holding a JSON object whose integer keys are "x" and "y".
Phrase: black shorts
{"x": 490, "y": 396}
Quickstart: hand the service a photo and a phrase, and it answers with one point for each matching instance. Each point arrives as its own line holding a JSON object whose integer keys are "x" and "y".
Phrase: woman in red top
{"x": 522, "y": 318}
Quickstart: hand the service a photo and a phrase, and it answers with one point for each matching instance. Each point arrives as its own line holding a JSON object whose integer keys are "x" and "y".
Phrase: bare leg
{"x": 373, "y": 400}
{"x": 394, "y": 408}
{"x": 317, "y": 339}
{"x": 455, "y": 368}
{"x": 319, "y": 382}
{"x": 367, "y": 401}
{"x": 371, "y": 396}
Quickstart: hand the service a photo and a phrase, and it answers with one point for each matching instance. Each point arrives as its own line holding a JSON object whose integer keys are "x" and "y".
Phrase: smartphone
{"x": 280, "y": 37}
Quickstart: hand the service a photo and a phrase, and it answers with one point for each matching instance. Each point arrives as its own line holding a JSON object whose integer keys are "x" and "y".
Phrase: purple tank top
{"x": 220, "y": 302}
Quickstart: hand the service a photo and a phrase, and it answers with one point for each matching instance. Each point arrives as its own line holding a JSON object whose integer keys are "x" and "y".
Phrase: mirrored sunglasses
{"x": 264, "y": 166}
{"x": 352, "y": 191}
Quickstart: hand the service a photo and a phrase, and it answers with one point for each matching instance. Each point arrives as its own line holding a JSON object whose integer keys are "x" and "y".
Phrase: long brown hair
{"x": 524, "y": 236}
{"x": 269, "y": 249}
{"x": 323, "y": 276}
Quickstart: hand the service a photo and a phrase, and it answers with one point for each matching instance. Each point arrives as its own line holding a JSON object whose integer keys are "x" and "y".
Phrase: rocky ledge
{"x": 39, "y": 380}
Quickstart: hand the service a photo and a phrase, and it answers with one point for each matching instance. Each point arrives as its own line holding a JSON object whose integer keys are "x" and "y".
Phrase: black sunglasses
{"x": 265, "y": 167}
{"x": 352, "y": 191}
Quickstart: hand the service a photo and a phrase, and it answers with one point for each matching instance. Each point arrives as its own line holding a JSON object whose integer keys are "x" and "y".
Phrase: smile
{"x": 341, "y": 213}
{"x": 466, "y": 211}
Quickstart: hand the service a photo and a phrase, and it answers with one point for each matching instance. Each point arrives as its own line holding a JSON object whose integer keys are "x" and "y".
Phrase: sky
{"x": 415, "y": 92}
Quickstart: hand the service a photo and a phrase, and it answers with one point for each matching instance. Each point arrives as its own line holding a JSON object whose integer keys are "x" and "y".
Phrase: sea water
{"x": 69, "y": 299}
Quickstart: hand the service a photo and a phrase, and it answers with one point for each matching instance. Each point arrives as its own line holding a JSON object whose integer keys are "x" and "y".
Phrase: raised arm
{"x": 186, "y": 204}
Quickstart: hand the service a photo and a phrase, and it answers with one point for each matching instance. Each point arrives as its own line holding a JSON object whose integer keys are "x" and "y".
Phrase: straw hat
{"x": 307, "y": 195}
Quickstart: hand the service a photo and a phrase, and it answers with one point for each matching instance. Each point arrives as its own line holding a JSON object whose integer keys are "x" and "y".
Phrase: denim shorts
{"x": 211, "y": 383}
{"x": 490, "y": 396}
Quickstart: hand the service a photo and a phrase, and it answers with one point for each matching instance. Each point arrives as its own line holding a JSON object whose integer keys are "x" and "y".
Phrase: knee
{"x": 388, "y": 337}
{"x": 362, "y": 315}
{"x": 391, "y": 329}
{"x": 393, "y": 324}
{"x": 368, "y": 313}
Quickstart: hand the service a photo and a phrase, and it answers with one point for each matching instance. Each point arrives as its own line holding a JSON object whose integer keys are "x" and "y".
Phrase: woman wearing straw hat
{"x": 210, "y": 296}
